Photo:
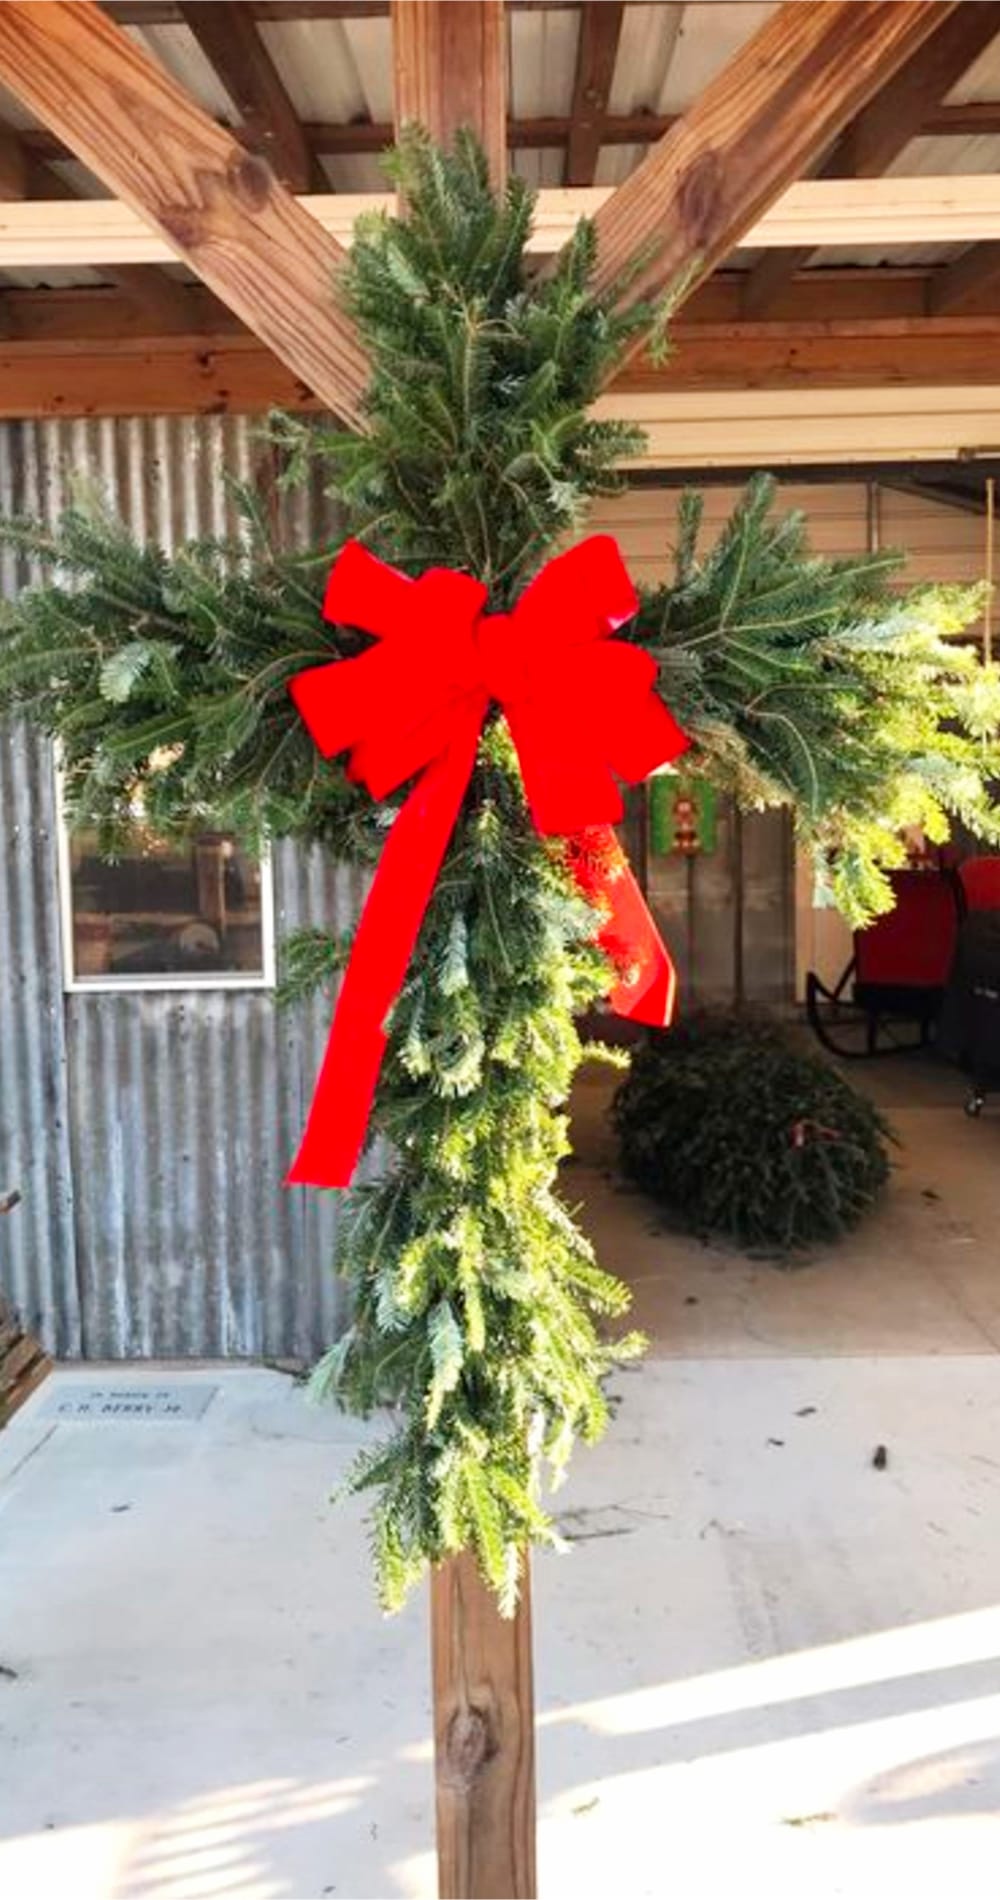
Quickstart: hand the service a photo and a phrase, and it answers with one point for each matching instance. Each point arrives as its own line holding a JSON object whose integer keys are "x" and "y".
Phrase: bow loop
{"x": 584, "y": 594}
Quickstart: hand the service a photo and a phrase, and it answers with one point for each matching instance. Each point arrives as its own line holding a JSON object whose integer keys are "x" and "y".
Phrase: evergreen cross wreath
{"x": 479, "y": 1311}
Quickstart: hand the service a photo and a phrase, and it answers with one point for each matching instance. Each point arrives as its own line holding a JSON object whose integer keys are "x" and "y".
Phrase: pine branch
{"x": 818, "y": 685}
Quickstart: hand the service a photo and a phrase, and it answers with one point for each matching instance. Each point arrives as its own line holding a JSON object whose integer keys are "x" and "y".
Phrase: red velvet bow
{"x": 580, "y": 708}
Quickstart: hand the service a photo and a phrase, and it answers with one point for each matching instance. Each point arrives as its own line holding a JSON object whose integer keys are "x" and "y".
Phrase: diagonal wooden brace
{"x": 772, "y": 111}
{"x": 220, "y": 208}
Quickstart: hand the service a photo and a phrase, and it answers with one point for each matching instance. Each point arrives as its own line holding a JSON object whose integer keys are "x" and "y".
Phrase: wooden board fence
{"x": 23, "y": 1362}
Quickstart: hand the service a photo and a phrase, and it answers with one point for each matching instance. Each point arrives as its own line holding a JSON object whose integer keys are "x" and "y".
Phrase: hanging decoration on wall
{"x": 580, "y": 707}
{"x": 682, "y": 815}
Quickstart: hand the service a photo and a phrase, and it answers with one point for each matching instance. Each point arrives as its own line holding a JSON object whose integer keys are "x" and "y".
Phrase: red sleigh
{"x": 890, "y": 996}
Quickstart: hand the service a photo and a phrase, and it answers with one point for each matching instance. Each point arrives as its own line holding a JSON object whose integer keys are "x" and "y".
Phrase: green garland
{"x": 477, "y": 1302}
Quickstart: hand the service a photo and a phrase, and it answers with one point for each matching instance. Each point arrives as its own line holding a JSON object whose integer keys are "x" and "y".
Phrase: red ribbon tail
{"x": 383, "y": 945}
{"x": 647, "y": 989}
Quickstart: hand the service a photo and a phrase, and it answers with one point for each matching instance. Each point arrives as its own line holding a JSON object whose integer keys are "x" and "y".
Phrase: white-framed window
{"x": 164, "y": 916}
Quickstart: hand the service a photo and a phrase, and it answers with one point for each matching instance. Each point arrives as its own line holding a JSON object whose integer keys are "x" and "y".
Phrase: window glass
{"x": 163, "y": 911}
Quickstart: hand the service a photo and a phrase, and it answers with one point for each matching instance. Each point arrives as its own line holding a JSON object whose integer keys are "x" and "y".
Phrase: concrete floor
{"x": 766, "y": 1669}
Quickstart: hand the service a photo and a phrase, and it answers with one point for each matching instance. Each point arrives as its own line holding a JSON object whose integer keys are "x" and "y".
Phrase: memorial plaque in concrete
{"x": 128, "y": 1404}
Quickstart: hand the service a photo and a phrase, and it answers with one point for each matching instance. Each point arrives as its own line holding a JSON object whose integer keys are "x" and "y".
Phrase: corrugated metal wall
{"x": 37, "y": 1241}
{"x": 149, "y": 1132}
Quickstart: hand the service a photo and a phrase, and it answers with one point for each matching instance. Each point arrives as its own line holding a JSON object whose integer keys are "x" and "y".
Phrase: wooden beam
{"x": 899, "y": 110}
{"x": 218, "y": 207}
{"x": 845, "y": 294}
{"x": 23, "y": 1365}
{"x": 229, "y": 38}
{"x": 596, "y": 54}
{"x": 484, "y": 1737}
{"x": 774, "y": 108}
{"x": 539, "y": 134}
{"x": 105, "y": 230}
{"x": 977, "y": 118}
{"x": 877, "y": 355}
{"x": 966, "y": 502}
{"x": 145, "y": 376}
{"x": 13, "y": 166}
{"x": 820, "y": 302}
{"x": 92, "y": 313}
{"x": 230, "y": 372}
{"x": 167, "y": 12}
{"x": 948, "y": 209}
{"x": 970, "y": 118}
{"x": 232, "y": 375}
{"x": 450, "y": 70}
{"x": 152, "y": 298}
{"x": 903, "y": 105}
{"x": 972, "y": 276}
{"x": 775, "y": 428}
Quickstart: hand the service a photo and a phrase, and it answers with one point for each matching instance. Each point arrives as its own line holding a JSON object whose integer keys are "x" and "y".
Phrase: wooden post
{"x": 484, "y": 1738}
{"x": 450, "y": 65}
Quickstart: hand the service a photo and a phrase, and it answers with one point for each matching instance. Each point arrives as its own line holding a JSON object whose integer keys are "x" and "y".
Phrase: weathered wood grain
{"x": 219, "y": 207}
{"x": 23, "y": 1365}
{"x": 876, "y": 137}
{"x": 484, "y": 1738}
{"x": 450, "y": 70}
{"x": 974, "y": 275}
{"x": 597, "y": 51}
{"x": 269, "y": 123}
{"x": 231, "y": 373}
{"x": 769, "y": 114}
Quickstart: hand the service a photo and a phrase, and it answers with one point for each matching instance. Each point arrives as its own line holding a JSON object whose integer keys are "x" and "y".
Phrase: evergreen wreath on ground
{"x": 479, "y": 1310}
{"x": 741, "y": 1134}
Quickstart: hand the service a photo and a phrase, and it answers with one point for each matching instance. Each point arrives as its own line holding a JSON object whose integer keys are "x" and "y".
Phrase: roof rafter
{"x": 14, "y": 163}
{"x": 166, "y": 12}
{"x": 596, "y": 54}
{"x": 898, "y": 112}
{"x": 219, "y": 208}
{"x": 849, "y": 302}
{"x": 974, "y": 118}
{"x": 149, "y": 293}
{"x": 976, "y": 273}
{"x": 269, "y": 124}
{"x": 777, "y": 104}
